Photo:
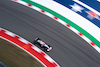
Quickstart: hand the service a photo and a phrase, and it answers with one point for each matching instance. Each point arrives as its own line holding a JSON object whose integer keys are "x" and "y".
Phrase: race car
{"x": 42, "y": 44}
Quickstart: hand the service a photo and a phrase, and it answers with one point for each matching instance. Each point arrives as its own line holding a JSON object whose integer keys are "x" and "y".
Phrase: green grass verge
{"x": 13, "y": 56}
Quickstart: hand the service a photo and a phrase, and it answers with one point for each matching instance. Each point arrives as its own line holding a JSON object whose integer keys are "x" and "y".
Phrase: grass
{"x": 12, "y": 56}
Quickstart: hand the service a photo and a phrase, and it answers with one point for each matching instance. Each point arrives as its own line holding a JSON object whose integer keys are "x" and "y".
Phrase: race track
{"x": 69, "y": 50}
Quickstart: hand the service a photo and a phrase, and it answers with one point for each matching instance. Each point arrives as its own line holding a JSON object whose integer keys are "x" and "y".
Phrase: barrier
{"x": 2, "y": 65}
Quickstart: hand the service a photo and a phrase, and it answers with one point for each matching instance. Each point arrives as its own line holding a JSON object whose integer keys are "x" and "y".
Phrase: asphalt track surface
{"x": 69, "y": 50}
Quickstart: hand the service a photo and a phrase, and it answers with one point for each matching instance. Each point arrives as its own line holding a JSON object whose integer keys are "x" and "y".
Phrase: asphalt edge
{"x": 95, "y": 46}
{"x": 28, "y": 47}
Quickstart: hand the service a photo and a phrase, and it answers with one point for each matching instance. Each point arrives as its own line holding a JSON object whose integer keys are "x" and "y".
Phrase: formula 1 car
{"x": 42, "y": 44}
